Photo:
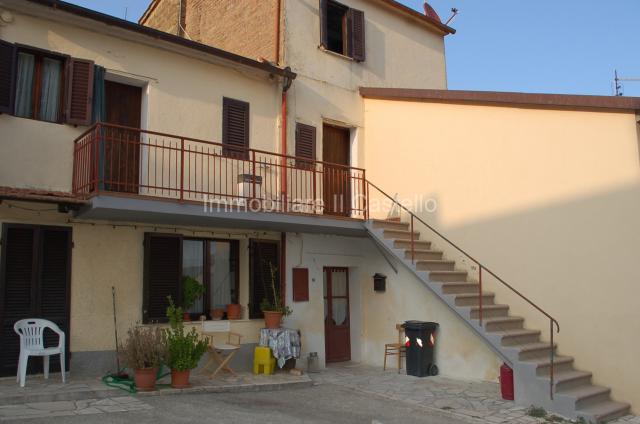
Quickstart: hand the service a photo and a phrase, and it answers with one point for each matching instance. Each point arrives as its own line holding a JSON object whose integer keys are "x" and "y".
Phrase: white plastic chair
{"x": 32, "y": 344}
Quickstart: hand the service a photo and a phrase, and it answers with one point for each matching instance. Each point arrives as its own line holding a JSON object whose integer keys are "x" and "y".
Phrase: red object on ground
{"x": 506, "y": 382}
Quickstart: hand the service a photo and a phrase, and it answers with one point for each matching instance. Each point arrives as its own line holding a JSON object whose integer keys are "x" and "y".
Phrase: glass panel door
{"x": 193, "y": 266}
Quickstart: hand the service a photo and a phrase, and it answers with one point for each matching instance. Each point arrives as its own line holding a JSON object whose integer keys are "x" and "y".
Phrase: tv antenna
{"x": 618, "y": 85}
{"x": 455, "y": 12}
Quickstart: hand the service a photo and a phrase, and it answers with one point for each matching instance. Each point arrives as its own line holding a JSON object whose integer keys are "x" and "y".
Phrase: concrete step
{"x": 535, "y": 350}
{"x": 518, "y": 337}
{"x": 570, "y": 379}
{"x": 424, "y": 254}
{"x": 560, "y": 364}
{"x": 503, "y": 323}
{"x": 490, "y": 311}
{"x": 588, "y": 395}
{"x": 605, "y": 411}
{"x": 472, "y": 299}
{"x": 459, "y": 287}
{"x": 444, "y": 276}
{"x": 401, "y": 235}
{"x": 417, "y": 244}
{"x": 435, "y": 265}
{"x": 390, "y": 225}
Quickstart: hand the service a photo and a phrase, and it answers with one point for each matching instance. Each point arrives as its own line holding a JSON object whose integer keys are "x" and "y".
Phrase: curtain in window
{"x": 24, "y": 85}
{"x": 99, "y": 101}
{"x": 50, "y": 96}
{"x": 222, "y": 275}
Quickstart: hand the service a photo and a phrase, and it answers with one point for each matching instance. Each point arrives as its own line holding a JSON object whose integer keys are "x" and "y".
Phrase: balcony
{"x": 125, "y": 171}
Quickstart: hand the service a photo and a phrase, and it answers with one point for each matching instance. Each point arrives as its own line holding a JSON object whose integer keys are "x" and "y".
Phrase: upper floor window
{"x": 39, "y": 82}
{"x": 342, "y": 29}
{"x": 235, "y": 128}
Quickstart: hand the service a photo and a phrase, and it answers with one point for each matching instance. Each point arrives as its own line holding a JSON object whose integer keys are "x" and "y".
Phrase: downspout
{"x": 286, "y": 84}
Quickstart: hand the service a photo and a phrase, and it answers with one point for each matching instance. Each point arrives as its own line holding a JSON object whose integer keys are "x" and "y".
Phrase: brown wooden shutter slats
{"x": 357, "y": 35}
{"x": 7, "y": 76}
{"x": 324, "y": 35}
{"x": 305, "y": 145}
{"x": 79, "y": 95}
{"x": 263, "y": 252}
{"x": 235, "y": 128}
{"x": 163, "y": 272}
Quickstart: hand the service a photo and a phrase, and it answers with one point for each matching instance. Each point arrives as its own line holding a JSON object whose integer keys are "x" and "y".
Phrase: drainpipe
{"x": 286, "y": 84}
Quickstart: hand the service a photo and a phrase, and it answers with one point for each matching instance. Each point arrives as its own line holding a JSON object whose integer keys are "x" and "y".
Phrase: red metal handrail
{"x": 115, "y": 158}
{"x": 481, "y": 267}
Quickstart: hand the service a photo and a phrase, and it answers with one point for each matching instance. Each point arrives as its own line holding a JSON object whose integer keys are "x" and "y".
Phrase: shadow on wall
{"x": 579, "y": 261}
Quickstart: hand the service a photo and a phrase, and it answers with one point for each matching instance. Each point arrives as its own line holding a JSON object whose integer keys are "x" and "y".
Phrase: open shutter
{"x": 324, "y": 36}
{"x": 79, "y": 95}
{"x": 263, "y": 252}
{"x": 7, "y": 76}
{"x": 162, "y": 275}
{"x": 356, "y": 34}
{"x": 305, "y": 145}
{"x": 235, "y": 128}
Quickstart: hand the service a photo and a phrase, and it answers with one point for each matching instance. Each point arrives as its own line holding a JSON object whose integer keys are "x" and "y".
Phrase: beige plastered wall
{"x": 104, "y": 256}
{"x": 373, "y": 316}
{"x": 399, "y": 53}
{"x": 181, "y": 95}
{"x": 548, "y": 199}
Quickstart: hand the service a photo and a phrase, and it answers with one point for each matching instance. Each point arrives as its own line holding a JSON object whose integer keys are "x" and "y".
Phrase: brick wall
{"x": 245, "y": 27}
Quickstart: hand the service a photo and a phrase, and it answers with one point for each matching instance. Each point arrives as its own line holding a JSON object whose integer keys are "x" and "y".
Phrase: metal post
{"x": 413, "y": 251}
{"x": 181, "y": 169}
{"x": 552, "y": 357}
{"x": 253, "y": 174}
{"x": 480, "y": 294}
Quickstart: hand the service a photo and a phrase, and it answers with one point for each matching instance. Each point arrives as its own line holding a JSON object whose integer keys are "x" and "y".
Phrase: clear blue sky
{"x": 549, "y": 46}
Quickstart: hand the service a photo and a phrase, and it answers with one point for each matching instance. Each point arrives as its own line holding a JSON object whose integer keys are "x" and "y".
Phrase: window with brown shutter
{"x": 162, "y": 275}
{"x": 235, "y": 128}
{"x": 7, "y": 76}
{"x": 305, "y": 145}
{"x": 342, "y": 29}
{"x": 356, "y": 34}
{"x": 263, "y": 253}
{"x": 79, "y": 96}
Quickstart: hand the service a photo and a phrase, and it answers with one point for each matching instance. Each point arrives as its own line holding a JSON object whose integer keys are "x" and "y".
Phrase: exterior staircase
{"x": 574, "y": 396}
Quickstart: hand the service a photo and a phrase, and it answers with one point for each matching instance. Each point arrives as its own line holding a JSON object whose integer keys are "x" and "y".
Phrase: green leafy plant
{"x": 275, "y": 304}
{"x": 192, "y": 289}
{"x": 536, "y": 412}
{"x": 184, "y": 348}
{"x": 144, "y": 348}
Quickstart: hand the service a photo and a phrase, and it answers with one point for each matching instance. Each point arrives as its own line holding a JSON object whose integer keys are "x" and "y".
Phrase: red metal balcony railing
{"x": 113, "y": 159}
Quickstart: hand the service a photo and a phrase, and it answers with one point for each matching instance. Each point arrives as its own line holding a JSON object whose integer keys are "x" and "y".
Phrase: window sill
{"x": 331, "y": 52}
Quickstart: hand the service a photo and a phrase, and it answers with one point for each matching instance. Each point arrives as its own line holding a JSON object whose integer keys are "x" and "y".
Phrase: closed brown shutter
{"x": 235, "y": 128}
{"x": 263, "y": 252}
{"x": 7, "y": 76}
{"x": 300, "y": 277}
{"x": 79, "y": 95}
{"x": 162, "y": 275}
{"x": 324, "y": 35}
{"x": 356, "y": 34}
{"x": 305, "y": 145}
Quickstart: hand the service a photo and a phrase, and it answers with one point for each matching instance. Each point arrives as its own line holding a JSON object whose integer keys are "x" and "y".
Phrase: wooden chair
{"x": 396, "y": 349}
{"x": 221, "y": 354}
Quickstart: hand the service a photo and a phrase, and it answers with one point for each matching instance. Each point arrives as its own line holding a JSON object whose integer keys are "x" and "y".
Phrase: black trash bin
{"x": 420, "y": 342}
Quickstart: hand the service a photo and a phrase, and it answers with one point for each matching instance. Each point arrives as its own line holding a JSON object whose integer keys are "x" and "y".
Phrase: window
{"x": 169, "y": 258}
{"x": 44, "y": 85}
{"x": 263, "y": 254}
{"x": 305, "y": 146}
{"x": 235, "y": 128}
{"x": 342, "y": 29}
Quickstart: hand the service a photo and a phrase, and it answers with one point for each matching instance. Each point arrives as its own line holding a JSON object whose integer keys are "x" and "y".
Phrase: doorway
{"x": 336, "y": 177}
{"x": 123, "y": 104}
{"x": 337, "y": 329}
{"x": 34, "y": 283}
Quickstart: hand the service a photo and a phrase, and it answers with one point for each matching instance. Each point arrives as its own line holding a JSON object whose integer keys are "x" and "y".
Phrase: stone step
{"x": 391, "y": 225}
{"x": 472, "y": 299}
{"x": 401, "y": 235}
{"x": 490, "y": 311}
{"x": 518, "y": 337}
{"x": 605, "y": 411}
{"x": 435, "y": 265}
{"x": 503, "y": 323}
{"x": 587, "y": 395}
{"x": 535, "y": 350}
{"x": 570, "y": 379}
{"x": 424, "y": 254}
{"x": 459, "y": 287}
{"x": 444, "y": 276}
{"x": 417, "y": 244}
{"x": 560, "y": 364}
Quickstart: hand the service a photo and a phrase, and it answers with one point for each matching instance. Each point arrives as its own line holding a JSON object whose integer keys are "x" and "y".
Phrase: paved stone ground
{"x": 70, "y": 408}
{"x": 470, "y": 401}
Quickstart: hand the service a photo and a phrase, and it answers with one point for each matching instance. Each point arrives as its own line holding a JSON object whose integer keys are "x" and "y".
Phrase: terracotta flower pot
{"x": 216, "y": 314}
{"x": 272, "y": 319}
{"x": 180, "y": 379}
{"x": 186, "y": 316}
{"x": 145, "y": 379}
{"x": 234, "y": 311}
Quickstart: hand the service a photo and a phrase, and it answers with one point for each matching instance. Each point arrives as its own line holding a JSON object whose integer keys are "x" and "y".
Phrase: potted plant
{"x": 192, "y": 290}
{"x": 273, "y": 309}
{"x": 184, "y": 349}
{"x": 145, "y": 351}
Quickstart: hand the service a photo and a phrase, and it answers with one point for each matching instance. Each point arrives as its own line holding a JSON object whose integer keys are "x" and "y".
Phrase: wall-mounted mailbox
{"x": 379, "y": 282}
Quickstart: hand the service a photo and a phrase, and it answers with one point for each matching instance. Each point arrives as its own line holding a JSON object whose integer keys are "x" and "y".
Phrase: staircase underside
{"x": 529, "y": 357}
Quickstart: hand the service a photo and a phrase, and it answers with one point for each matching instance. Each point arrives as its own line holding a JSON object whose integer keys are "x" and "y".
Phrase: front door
{"x": 122, "y": 147}
{"x": 34, "y": 283}
{"x": 336, "y": 180}
{"x": 337, "y": 332}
